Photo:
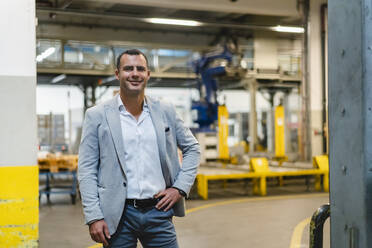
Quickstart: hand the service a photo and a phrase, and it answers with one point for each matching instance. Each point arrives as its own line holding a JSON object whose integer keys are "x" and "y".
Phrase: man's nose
{"x": 134, "y": 72}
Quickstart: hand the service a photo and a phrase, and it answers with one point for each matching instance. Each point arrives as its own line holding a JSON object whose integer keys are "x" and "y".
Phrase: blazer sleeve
{"x": 190, "y": 148}
{"x": 88, "y": 168}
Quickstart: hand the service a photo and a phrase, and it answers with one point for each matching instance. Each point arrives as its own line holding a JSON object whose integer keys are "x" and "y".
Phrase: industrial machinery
{"x": 279, "y": 127}
{"x": 207, "y": 110}
{"x": 218, "y": 63}
{"x": 207, "y": 70}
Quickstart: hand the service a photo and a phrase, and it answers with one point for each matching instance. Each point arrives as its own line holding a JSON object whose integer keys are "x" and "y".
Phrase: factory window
{"x": 48, "y": 52}
{"x": 87, "y": 56}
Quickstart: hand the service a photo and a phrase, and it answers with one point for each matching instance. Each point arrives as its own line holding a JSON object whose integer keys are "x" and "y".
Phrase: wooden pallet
{"x": 54, "y": 163}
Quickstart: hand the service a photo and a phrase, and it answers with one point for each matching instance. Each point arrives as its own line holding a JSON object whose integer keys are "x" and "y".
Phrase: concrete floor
{"x": 232, "y": 218}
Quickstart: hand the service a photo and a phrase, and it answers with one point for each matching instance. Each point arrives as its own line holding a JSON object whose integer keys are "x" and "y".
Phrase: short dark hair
{"x": 130, "y": 52}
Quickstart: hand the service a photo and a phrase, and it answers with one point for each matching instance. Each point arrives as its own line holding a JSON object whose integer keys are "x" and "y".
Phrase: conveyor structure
{"x": 260, "y": 171}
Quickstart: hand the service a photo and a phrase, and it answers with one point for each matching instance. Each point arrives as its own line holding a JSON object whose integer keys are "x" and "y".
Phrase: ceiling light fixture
{"x": 58, "y": 78}
{"x": 173, "y": 22}
{"x": 287, "y": 29}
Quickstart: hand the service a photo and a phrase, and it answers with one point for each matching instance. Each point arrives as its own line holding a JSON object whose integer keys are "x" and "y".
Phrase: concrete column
{"x": 315, "y": 77}
{"x": 350, "y": 122}
{"x": 253, "y": 116}
{"x": 19, "y": 204}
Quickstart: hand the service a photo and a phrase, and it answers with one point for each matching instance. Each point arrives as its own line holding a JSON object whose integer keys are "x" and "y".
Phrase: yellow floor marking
{"x": 269, "y": 198}
{"x": 96, "y": 246}
{"x": 297, "y": 233}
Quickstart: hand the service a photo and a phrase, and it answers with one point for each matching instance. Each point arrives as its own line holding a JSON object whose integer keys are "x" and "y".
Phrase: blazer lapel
{"x": 113, "y": 120}
{"x": 157, "y": 119}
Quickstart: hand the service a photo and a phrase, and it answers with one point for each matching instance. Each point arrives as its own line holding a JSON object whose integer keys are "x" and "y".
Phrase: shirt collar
{"x": 122, "y": 107}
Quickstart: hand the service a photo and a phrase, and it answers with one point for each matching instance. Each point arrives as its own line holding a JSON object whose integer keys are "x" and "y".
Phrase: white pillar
{"x": 18, "y": 142}
{"x": 315, "y": 76}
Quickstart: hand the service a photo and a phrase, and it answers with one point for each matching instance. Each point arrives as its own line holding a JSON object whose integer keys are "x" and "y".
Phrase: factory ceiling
{"x": 127, "y": 21}
{"x": 219, "y": 17}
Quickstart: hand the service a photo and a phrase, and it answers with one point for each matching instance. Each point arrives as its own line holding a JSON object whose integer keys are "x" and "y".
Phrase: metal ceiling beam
{"x": 261, "y": 7}
{"x": 64, "y": 4}
{"x": 90, "y": 72}
{"x": 115, "y": 16}
{"x": 123, "y": 27}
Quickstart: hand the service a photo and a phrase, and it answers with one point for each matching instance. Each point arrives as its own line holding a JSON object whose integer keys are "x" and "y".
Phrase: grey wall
{"x": 18, "y": 143}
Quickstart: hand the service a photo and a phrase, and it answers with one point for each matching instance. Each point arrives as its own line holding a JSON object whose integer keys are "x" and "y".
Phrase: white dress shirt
{"x": 142, "y": 162}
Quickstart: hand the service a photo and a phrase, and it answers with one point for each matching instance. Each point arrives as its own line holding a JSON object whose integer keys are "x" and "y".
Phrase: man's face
{"x": 133, "y": 74}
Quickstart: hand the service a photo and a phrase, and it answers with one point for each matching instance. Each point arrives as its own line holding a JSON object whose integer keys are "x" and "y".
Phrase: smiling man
{"x": 131, "y": 181}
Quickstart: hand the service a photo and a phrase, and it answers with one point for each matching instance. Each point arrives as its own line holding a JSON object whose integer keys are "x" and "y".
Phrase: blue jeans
{"x": 153, "y": 228}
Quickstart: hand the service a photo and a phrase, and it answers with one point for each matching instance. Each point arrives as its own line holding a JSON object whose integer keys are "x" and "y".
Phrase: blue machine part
{"x": 207, "y": 107}
{"x": 207, "y": 113}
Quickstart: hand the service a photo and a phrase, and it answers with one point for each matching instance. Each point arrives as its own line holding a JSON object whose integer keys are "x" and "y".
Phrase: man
{"x": 131, "y": 180}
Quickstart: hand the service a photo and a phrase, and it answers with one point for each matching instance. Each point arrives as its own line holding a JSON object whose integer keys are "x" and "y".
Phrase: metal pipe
{"x": 316, "y": 226}
{"x": 305, "y": 87}
{"x": 85, "y": 92}
{"x": 253, "y": 116}
{"x": 93, "y": 94}
{"x": 271, "y": 144}
{"x": 323, "y": 10}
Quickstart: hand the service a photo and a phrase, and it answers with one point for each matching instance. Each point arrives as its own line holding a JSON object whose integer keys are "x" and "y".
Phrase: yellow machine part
{"x": 223, "y": 132}
{"x": 321, "y": 162}
{"x": 279, "y": 132}
{"x": 259, "y": 165}
{"x": 260, "y": 171}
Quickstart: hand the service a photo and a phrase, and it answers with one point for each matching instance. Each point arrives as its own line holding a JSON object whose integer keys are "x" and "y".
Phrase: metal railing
{"x": 316, "y": 226}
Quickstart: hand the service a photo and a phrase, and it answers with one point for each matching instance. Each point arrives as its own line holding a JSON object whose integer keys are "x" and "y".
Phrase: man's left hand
{"x": 168, "y": 198}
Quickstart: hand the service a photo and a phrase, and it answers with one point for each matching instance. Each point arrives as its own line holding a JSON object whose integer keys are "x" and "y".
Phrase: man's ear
{"x": 148, "y": 73}
{"x": 117, "y": 74}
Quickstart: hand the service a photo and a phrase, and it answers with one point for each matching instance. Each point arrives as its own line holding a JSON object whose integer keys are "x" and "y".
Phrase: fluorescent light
{"x": 58, "y": 78}
{"x": 45, "y": 54}
{"x": 173, "y": 22}
{"x": 287, "y": 29}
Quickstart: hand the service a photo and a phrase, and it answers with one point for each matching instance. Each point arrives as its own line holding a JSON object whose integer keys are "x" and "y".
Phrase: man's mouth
{"x": 135, "y": 82}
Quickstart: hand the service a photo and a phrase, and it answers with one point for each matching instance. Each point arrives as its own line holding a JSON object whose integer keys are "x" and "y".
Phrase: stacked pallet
{"x": 208, "y": 146}
{"x": 54, "y": 163}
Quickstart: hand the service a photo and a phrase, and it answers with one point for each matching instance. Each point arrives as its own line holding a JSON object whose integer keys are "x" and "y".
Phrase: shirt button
{"x": 125, "y": 184}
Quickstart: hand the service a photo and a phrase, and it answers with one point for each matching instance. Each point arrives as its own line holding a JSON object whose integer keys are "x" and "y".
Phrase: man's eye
{"x": 128, "y": 68}
{"x": 141, "y": 68}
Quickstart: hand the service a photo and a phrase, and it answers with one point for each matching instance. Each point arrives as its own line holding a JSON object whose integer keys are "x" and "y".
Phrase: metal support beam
{"x": 93, "y": 94}
{"x": 271, "y": 129}
{"x": 85, "y": 92}
{"x": 173, "y": 63}
{"x": 305, "y": 146}
{"x": 350, "y": 122}
{"x": 252, "y": 86}
{"x": 324, "y": 76}
{"x": 287, "y": 129}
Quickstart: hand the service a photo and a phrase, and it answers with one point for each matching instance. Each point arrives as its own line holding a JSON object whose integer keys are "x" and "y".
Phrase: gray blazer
{"x": 101, "y": 169}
